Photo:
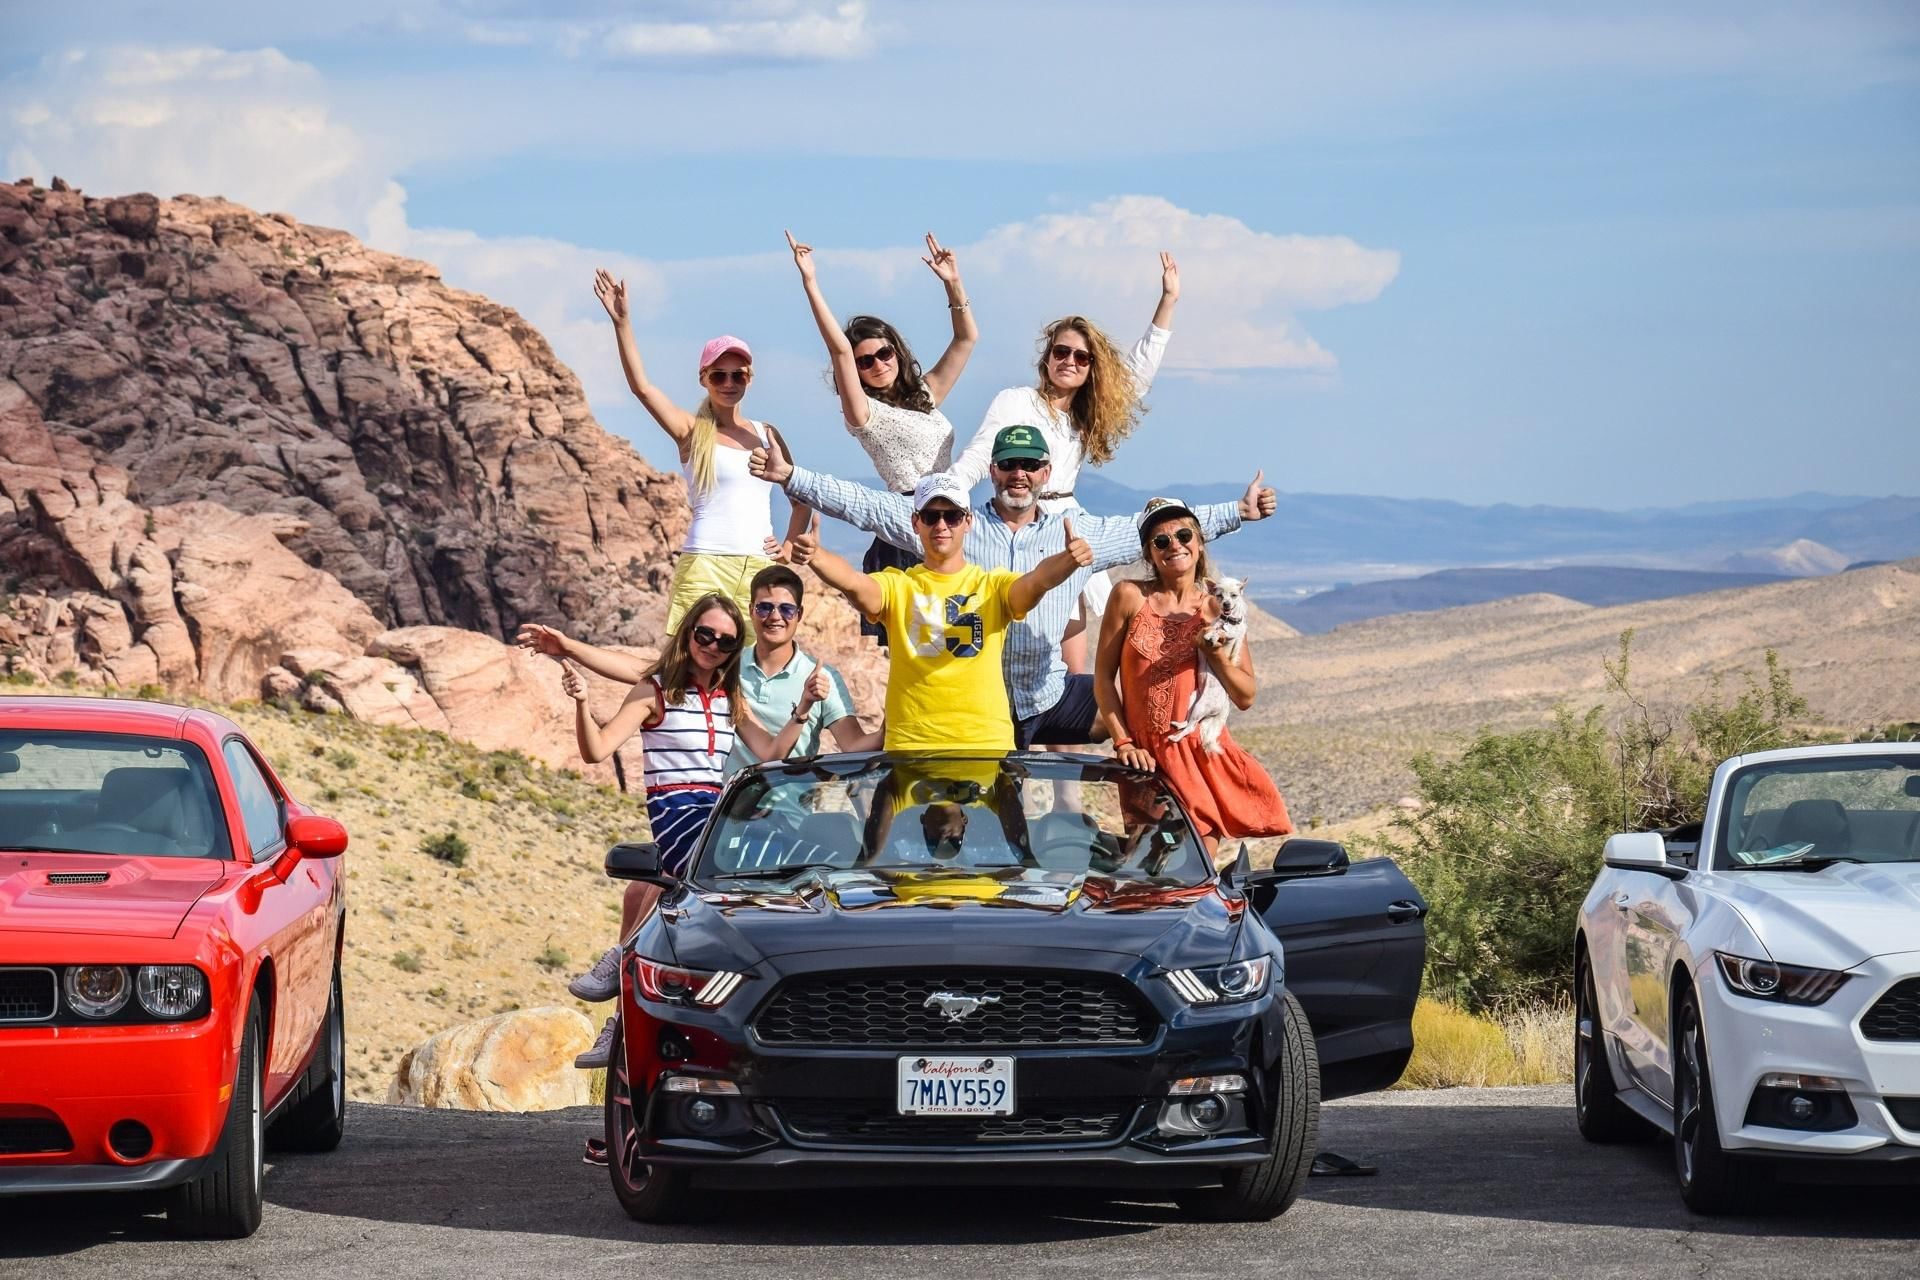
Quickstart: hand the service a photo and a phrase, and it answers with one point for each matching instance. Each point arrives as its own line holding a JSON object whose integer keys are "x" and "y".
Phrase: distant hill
{"x": 1801, "y": 558}
{"x": 1449, "y": 588}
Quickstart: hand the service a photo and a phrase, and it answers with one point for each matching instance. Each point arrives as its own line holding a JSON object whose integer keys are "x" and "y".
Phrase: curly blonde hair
{"x": 1107, "y": 406}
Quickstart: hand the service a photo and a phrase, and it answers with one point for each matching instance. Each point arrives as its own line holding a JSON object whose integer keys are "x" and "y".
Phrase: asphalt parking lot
{"x": 1472, "y": 1182}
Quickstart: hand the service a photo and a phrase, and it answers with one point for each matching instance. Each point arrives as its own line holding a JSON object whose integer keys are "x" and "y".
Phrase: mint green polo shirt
{"x": 773, "y": 698}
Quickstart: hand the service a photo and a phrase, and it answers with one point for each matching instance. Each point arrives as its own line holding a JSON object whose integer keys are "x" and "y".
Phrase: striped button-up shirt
{"x": 1036, "y": 673}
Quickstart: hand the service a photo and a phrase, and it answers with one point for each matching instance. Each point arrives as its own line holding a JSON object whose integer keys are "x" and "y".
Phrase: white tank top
{"x": 689, "y": 746}
{"x": 735, "y": 517}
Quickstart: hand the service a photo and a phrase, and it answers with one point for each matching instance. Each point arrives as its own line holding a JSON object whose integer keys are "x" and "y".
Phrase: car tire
{"x": 1712, "y": 1179}
{"x": 648, "y": 1193}
{"x": 1597, "y": 1109}
{"x": 318, "y": 1121}
{"x": 223, "y": 1203}
{"x": 1261, "y": 1192}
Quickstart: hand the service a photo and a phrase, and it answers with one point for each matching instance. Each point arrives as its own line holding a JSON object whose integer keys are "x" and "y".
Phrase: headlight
{"x": 1240, "y": 981}
{"x": 1783, "y": 983}
{"x": 170, "y": 990}
{"x": 671, "y": 984}
{"x": 96, "y": 990}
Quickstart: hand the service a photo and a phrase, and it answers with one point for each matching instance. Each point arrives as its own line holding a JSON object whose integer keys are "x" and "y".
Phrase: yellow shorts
{"x": 695, "y": 573}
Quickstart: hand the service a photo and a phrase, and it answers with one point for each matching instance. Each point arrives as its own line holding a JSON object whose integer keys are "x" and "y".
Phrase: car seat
{"x": 165, "y": 802}
{"x": 1819, "y": 822}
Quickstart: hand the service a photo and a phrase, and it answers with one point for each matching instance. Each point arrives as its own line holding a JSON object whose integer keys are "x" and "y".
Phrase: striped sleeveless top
{"x": 687, "y": 748}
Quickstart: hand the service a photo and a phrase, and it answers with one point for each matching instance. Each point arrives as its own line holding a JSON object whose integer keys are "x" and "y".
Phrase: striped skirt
{"x": 678, "y": 817}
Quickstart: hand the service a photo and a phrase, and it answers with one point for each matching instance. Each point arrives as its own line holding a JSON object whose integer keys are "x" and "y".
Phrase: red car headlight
{"x": 671, "y": 984}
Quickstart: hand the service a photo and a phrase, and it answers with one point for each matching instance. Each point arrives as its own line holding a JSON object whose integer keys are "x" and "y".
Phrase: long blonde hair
{"x": 1107, "y": 406}
{"x": 700, "y": 446}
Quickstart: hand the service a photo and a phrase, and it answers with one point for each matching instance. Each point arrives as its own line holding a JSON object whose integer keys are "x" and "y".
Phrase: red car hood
{"x": 138, "y": 898}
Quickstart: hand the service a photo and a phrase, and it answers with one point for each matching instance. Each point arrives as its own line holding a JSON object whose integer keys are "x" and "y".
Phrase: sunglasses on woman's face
{"x": 711, "y": 639}
{"x": 1161, "y": 541}
{"x": 1080, "y": 356}
{"x": 729, "y": 377}
{"x": 949, "y": 516}
{"x": 787, "y": 610}
{"x": 879, "y": 355}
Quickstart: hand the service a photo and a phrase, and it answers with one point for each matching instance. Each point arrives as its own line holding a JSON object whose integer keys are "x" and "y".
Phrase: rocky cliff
{"x": 242, "y": 455}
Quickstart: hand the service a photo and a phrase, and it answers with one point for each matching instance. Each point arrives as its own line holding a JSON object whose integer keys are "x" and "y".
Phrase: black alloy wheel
{"x": 1264, "y": 1191}
{"x": 1712, "y": 1180}
{"x": 224, "y": 1201}
{"x": 1597, "y": 1108}
{"x": 318, "y": 1121}
{"x": 647, "y": 1193}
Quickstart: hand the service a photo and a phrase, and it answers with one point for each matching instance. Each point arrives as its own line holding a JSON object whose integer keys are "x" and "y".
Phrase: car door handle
{"x": 1404, "y": 910}
{"x": 1621, "y": 900}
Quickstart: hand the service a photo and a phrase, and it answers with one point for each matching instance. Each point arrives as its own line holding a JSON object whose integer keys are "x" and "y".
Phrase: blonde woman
{"x": 731, "y": 538}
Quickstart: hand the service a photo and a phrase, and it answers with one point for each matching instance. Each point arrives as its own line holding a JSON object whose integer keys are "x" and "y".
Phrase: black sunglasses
{"x": 952, "y": 517}
{"x": 726, "y": 377}
{"x": 872, "y": 358}
{"x": 1161, "y": 541}
{"x": 787, "y": 610}
{"x": 1080, "y": 356}
{"x": 714, "y": 640}
{"x": 1012, "y": 465}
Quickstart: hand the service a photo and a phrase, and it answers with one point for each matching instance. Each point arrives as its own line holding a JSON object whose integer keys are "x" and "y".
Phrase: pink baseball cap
{"x": 717, "y": 347}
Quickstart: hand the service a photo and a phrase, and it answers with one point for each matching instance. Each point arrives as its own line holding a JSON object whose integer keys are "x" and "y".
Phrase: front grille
{"x": 858, "y": 1123}
{"x": 1895, "y": 1015}
{"x": 77, "y": 877}
{"x": 32, "y": 1135}
{"x": 26, "y": 995}
{"x": 1906, "y": 1113}
{"x": 890, "y": 1010}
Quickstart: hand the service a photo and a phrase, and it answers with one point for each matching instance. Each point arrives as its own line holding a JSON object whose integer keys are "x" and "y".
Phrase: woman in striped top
{"x": 686, "y": 709}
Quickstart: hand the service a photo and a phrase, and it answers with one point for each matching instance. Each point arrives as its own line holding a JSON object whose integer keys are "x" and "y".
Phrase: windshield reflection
{"x": 1814, "y": 813}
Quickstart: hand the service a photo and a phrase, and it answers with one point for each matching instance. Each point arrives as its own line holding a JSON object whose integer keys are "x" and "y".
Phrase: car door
{"x": 1656, "y": 916}
{"x": 291, "y": 916}
{"x": 1355, "y": 945}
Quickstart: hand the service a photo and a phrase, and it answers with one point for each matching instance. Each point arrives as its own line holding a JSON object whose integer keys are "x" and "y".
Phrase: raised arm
{"x": 598, "y": 741}
{"x": 674, "y": 420}
{"x": 602, "y": 662}
{"x": 890, "y": 515}
{"x": 846, "y": 378}
{"x": 861, "y": 589}
{"x": 778, "y": 746}
{"x": 946, "y": 370}
{"x": 1005, "y": 411}
{"x": 1027, "y": 589}
{"x": 1143, "y": 359}
{"x": 1169, "y": 292}
{"x": 1121, "y": 607}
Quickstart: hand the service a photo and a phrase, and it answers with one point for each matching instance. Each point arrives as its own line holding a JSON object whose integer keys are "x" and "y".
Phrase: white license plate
{"x": 931, "y": 1086}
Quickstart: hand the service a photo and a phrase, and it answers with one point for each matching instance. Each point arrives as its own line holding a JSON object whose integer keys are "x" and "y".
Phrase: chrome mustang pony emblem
{"x": 957, "y": 1007}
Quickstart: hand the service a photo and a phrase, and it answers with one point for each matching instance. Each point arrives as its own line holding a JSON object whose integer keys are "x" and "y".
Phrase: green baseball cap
{"x": 1020, "y": 442}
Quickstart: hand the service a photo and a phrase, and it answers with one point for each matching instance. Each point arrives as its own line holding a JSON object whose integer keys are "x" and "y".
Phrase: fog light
{"x": 700, "y": 1084}
{"x": 1208, "y": 1113}
{"x": 1191, "y": 1085}
{"x": 1805, "y": 1104}
{"x": 702, "y": 1114}
{"x": 1800, "y": 1107}
{"x": 130, "y": 1139}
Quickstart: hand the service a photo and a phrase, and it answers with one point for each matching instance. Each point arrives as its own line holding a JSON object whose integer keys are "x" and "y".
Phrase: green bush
{"x": 1509, "y": 835}
{"x": 446, "y": 847}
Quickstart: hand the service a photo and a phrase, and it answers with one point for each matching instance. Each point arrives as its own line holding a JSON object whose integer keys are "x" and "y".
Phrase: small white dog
{"x": 1208, "y": 710}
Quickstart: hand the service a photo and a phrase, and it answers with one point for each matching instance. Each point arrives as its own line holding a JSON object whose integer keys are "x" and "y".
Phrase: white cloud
{"x": 788, "y": 32}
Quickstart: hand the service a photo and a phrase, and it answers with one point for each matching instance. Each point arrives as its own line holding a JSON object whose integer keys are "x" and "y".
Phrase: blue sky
{"x": 1618, "y": 257}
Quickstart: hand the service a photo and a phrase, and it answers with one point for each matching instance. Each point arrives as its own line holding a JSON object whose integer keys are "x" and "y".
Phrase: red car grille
{"x": 26, "y": 995}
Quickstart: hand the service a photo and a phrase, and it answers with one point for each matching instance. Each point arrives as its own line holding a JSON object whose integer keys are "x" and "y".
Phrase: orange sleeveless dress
{"x": 1228, "y": 794}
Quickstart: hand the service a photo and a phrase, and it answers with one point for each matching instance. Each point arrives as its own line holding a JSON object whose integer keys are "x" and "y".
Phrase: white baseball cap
{"x": 940, "y": 484}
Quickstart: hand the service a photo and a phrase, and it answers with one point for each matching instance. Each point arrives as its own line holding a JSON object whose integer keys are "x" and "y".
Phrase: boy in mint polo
{"x": 780, "y": 683}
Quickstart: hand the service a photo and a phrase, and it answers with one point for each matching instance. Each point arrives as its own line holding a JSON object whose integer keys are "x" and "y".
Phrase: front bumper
{"x": 91, "y": 1078}
{"x": 1749, "y": 1038}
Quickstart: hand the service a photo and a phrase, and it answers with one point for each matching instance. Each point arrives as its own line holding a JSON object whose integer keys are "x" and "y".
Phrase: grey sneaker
{"x": 601, "y": 1051}
{"x": 602, "y": 982}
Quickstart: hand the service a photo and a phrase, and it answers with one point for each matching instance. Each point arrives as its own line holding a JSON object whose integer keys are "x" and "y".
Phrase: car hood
{"x": 133, "y": 898}
{"x": 731, "y": 924}
{"x": 1833, "y": 918}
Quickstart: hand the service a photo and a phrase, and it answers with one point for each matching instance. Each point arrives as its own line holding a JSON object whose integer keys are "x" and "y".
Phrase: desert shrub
{"x": 1454, "y": 1048}
{"x": 344, "y": 760}
{"x": 1509, "y": 834}
{"x": 447, "y": 847}
{"x": 151, "y": 693}
{"x": 407, "y": 961}
{"x": 551, "y": 959}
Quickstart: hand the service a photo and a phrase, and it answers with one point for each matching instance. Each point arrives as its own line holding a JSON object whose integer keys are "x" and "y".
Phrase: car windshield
{"x": 69, "y": 792}
{"x": 964, "y": 815}
{"x": 1804, "y": 813}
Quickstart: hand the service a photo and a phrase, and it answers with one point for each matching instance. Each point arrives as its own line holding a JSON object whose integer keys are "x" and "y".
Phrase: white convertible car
{"x": 1751, "y": 985}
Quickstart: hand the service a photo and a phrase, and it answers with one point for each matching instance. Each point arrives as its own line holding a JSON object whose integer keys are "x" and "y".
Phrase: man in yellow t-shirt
{"x": 948, "y": 623}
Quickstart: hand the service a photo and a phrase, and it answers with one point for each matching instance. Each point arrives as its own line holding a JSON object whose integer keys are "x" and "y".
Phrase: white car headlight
{"x": 96, "y": 990}
{"x": 1782, "y": 983}
{"x": 170, "y": 990}
{"x": 1242, "y": 980}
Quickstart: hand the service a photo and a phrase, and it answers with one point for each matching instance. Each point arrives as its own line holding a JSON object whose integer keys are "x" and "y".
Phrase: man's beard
{"x": 1018, "y": 502}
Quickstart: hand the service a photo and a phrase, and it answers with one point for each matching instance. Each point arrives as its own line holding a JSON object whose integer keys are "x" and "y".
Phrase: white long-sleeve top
{"x": 1025, "y": 405}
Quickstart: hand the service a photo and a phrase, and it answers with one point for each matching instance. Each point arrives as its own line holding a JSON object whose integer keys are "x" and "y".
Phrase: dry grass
{"x": 1453, "y": 1048}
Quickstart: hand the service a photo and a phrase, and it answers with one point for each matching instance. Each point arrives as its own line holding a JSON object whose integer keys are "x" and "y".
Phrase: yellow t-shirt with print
{"x": 945, "y": 687}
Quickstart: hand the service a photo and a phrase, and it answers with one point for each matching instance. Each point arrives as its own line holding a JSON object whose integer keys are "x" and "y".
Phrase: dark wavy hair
{"x": 674, "y": 667}
{"x": 909, "y": 389}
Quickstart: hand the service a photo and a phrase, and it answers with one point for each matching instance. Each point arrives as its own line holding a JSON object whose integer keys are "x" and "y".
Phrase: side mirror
{"x": 638, "y": 860}
{"x": 317, "y": 837}
{"x": 1641, "y": 851}
{"x": 1299, "y": 857}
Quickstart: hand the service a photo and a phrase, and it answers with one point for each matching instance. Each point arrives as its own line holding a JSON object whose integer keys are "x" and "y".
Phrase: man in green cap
{"x": 1012, "y": 532}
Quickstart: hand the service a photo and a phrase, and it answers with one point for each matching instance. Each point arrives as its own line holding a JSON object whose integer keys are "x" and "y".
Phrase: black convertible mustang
{"x": 1005, "y": 970}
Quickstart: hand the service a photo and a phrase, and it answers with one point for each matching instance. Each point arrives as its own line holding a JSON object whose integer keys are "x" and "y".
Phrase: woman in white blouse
{"x": 890, "y": 407}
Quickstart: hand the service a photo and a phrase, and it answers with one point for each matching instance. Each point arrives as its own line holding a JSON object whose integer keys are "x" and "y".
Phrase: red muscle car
{"x": 170, "y": 929}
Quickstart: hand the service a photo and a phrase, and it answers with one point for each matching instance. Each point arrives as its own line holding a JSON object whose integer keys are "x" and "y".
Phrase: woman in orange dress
{"x": 1149, "y": 662}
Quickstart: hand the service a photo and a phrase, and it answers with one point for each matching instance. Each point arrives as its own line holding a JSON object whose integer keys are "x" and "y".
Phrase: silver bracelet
{"x": 957, "y": 306}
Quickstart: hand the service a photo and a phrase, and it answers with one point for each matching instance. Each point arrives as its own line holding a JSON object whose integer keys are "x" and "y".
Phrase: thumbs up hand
{"x": 1258, "y": 502}
{"x": 1077, "y": 546}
